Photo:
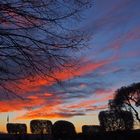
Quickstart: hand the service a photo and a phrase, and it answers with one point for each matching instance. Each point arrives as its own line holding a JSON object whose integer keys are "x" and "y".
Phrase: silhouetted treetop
{"x": 127, "y": 97}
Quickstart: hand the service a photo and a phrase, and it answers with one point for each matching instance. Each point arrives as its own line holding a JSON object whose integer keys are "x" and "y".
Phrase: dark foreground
{"x": 120, "y": 135}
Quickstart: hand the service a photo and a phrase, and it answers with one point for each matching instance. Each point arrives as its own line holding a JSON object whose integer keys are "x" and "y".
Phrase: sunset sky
{"x": 112, "y": 60}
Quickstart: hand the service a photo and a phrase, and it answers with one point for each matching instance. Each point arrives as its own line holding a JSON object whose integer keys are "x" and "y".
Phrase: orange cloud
{"x": 49, "y": 104}
{"x": 57, "y": 108}
{"x": 90, "y": 102}
{"x": 34, "y": 84}
{"x": 47, "y": 111}
{"x": 16, "y": 105}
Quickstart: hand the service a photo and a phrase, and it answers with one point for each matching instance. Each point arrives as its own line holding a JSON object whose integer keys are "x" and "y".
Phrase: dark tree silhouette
{"x": 63, "y": 130}
{"x": 128, "y": 98}
{"x": 36, "y": 38}
{"x": 113, "y": 120}
{"x": 16, "y": 128}
{"x": 41, "y": 127}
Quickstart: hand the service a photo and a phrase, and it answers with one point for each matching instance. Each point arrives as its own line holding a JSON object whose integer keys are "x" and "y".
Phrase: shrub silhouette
{"x": 41, "y": 127}
{"x": 113, "y": 120}
{"x": 90, "y": 129}
{"x": 16, "y": 128}
{"x": 63, "y": 130}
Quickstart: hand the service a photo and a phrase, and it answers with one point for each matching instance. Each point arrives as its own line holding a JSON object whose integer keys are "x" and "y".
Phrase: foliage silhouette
{"x": 16, "y": 128}
{"x": 90, "y": 129}
{"x": 41, "y": 127}
{"x": 128, "y": 98}
{"x": 63, "y": 130}
{"x": 36, "y": 38}
{"x": 113, "y": 120}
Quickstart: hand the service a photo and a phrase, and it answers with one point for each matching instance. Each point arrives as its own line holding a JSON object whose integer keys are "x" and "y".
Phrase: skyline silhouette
{"x": 111, "y": 31}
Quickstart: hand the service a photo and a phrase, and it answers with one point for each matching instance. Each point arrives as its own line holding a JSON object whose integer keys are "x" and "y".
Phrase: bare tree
{"x": 38, "y": 37}
{"x": 128, "y": 98}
